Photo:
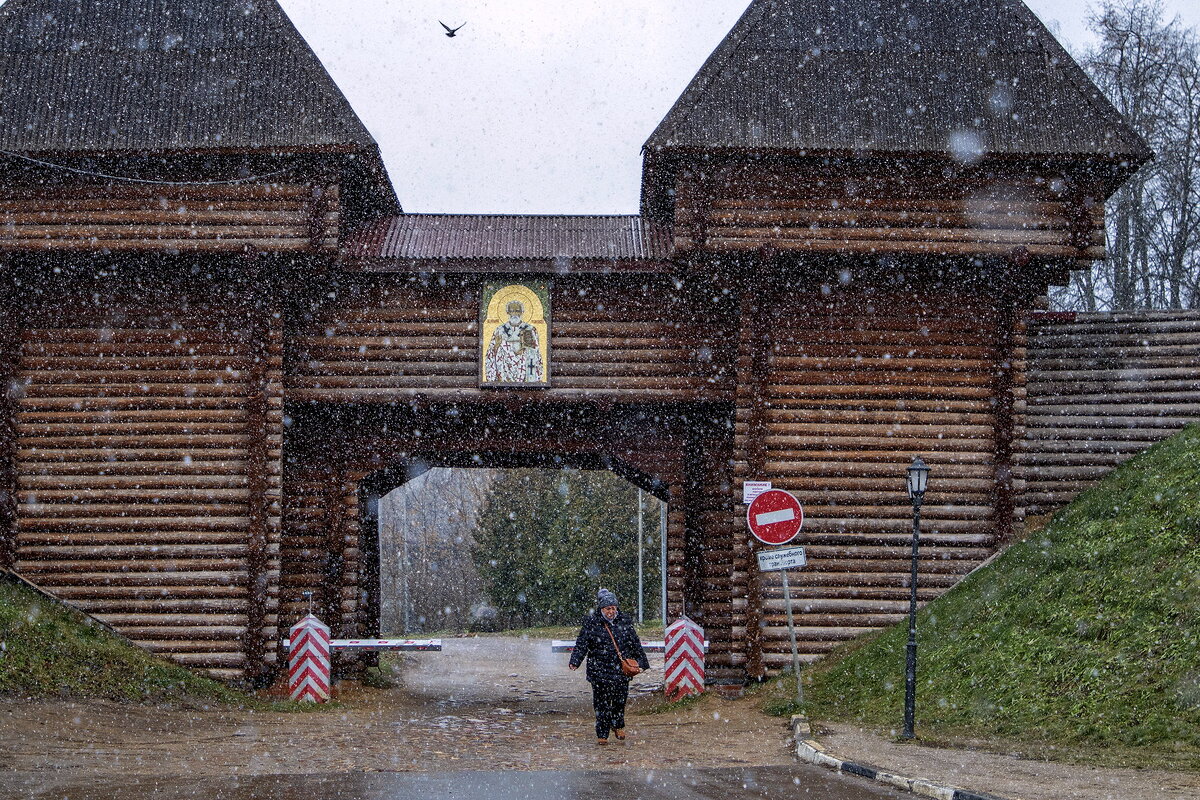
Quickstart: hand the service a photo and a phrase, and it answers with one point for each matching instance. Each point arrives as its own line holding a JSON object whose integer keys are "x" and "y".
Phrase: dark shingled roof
{"x": 86, "y": 75}
{"x": 415, "y": 237}
{"x": 923, "y": 76}
{"x": 121, "y": 76}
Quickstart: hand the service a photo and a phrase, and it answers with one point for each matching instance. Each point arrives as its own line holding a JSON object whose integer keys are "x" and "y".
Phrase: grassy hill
{"x": 1085, "y": 634}
{"x": 48, "y": 650}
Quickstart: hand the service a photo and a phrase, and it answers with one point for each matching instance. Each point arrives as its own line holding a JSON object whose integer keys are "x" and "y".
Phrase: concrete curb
{"x": 811, "y": 751}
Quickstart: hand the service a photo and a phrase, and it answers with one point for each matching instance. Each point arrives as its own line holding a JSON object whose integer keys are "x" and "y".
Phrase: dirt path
{"x": 486, "y": 703}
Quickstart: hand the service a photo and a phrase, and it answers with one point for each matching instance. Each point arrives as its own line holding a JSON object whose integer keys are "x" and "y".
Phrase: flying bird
{"x": 451, "y": 31}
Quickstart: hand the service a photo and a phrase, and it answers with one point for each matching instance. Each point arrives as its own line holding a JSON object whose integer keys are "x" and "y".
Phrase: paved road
{"x": 759, "y": 783}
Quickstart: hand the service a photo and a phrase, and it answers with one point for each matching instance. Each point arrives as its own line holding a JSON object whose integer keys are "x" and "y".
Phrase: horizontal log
{"x": 867, "y": 217}
{"x": 778, "y": 392}
{"x": 142, "y": 522}
{"x": 145, "y": 551}
{"x": 202, "y": 593}
{"x": 298, "y": 217}
{"x": 22, "y": 196}
{"x": 166, "y": 395}
{"x": 795, "y": 232}
{"x": 865, "y": 246}
{"x": 281, "y": 245}
{"x": 115, "y": 375}
{"x": 129, "y": 363}
{"x": 229, "y": 634}
{"x": 185, "y": 442}
{"x": 150, "y": 481}
{"x": 135, "y": 538}
{"x": 126, "y": 429}
{"x": 894, "y": 430}
{"x": 102, "y": 404}
{"x": 133, "y": 416}
{"x": 184, "y": 230}
{"x": 155, "y": 579}
{"x": 88, "y": 458}
{"x": 57, "y": 566}
{"x": 913, "y": 445}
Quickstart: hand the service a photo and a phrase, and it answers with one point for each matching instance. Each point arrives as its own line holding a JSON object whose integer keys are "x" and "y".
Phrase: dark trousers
{"x": 608, "y": 699}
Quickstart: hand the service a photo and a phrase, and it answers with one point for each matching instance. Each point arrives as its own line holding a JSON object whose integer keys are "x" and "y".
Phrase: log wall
{"x": 850, "y": 386}
{"x": 149, "y": 439}
{"x": 149, "y": 468}
{"x": 615, "y": 338}
{"x": 1102, "y": 388}
{"x": 841, "y": 207}
{"x": 285, "y": 217}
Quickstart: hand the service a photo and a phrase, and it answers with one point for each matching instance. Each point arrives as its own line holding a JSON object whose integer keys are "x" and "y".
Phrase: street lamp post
{"x": 918, "y": 479}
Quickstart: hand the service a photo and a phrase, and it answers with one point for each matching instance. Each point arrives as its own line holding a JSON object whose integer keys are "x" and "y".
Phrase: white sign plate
{"x": 783, "y": 558}
{"x": 752, "y": 489}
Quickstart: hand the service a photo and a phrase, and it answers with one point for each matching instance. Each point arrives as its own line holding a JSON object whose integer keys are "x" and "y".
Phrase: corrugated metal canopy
{"x": 103, "y": 75}
{"x": 419, "y": 237}
{"x": 926, "y": 76}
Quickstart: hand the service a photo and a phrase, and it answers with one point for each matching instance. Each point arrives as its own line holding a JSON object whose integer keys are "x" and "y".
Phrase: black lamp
{"x": 918, "y": 480}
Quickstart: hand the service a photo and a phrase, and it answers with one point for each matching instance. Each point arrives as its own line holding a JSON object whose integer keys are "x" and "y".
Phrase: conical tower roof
{"x": 103, "y": 76}
{"x": 895, "y": 76}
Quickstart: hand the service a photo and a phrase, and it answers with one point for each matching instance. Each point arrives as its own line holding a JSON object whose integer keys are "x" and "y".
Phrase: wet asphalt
{"x": 742, "y": 783}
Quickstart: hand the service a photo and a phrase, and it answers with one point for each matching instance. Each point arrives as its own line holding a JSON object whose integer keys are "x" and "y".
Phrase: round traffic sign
{"x": 775, "y": 517}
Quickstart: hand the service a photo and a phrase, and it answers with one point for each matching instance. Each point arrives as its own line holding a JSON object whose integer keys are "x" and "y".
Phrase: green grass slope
{"x": 1087, "y": 633}
{"x": 49, "y": 650}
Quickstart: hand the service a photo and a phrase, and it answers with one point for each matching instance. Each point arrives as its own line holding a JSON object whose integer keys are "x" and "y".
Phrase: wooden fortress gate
{"x": 221, "y": 335}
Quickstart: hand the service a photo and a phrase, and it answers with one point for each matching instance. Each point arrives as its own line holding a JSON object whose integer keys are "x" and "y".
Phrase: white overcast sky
{"x": 536, "y": 106}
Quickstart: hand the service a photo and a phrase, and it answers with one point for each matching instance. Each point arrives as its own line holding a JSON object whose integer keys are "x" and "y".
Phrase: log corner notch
{"x": 1019, "y": 286}
{"x": 10, "y": 343}
{"x": 753, "y": 402}
{"x": 264, "y": 403}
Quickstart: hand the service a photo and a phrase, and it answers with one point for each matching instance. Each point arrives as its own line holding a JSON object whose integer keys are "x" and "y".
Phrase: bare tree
{"x": 428, "y": 579}
{"x": 1149, "y": 68}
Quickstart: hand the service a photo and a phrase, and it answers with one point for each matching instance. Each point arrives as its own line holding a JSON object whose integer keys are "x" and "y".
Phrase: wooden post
{"x": 1003, "y": 386}
{"x": 321, "y": 201}
{"x": 335, "y": 541}
{"x": 694, "y": 474}
{"x": 258, "y": 465}
{"x": 10, "y": 360}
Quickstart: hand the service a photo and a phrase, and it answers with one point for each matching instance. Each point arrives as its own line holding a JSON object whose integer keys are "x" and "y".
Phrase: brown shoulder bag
{"x": 629, "y": 666}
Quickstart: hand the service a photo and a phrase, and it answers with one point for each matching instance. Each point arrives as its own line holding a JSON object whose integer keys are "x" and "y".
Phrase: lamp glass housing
{"x": 918, "y": 478}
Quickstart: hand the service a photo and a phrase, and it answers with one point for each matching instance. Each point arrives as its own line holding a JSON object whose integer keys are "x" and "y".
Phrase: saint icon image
{"x": 514, "y": 333}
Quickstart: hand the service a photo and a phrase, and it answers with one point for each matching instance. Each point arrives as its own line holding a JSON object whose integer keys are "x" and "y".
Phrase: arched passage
{"x": 339, "y": 460}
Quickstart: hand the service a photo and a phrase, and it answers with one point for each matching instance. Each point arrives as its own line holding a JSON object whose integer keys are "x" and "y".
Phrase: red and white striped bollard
{"x": 683, "y": 670}
{"x": 309, "y": 661}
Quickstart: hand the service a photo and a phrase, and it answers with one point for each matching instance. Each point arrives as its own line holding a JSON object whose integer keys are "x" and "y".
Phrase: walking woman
{"x": 607, "y": 639}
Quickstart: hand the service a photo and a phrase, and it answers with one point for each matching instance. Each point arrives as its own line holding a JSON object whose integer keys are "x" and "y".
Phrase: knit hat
{"x": 605, "y": 598}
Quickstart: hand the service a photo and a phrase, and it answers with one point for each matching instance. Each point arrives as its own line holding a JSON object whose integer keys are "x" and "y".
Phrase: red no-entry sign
{"x": 775, "y": 517}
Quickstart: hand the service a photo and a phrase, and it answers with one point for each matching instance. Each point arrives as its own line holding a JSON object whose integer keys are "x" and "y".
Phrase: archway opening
{"x": 456, "y": 550}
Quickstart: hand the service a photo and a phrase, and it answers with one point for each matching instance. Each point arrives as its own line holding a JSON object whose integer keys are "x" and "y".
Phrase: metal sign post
{"x": 662, "y": 555}
{"x": 787, "y": 601}
{"x": 641, "y": 589}
{"x": 775, "y": 517}
{"x": 782, "y": 560}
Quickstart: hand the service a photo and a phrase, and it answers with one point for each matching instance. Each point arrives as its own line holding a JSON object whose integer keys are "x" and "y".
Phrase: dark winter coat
{"x": 594, "y": 644}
